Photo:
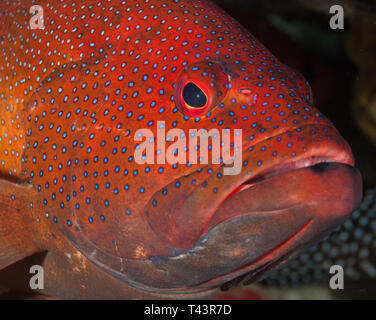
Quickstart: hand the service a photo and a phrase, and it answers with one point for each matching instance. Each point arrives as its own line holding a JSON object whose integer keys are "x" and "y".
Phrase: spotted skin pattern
{"x": 73, "y": 95}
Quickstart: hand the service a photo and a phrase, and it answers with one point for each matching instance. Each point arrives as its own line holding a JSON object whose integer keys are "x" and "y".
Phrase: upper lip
{"x": 281, "y": 168}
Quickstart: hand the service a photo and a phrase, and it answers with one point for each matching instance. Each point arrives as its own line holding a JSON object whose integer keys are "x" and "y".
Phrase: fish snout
{"x": 291, "y": 212}
{"x": 198, "y": 197}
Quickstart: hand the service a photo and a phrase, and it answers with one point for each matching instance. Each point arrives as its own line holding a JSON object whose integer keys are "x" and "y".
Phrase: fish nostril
{"x": 247, "y": 92}
{"x": 250, "y": 98}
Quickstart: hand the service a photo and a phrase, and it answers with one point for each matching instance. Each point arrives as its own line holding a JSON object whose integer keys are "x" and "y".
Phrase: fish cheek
{"x": 110, "y": 195}
{"x": 81, "y": 167}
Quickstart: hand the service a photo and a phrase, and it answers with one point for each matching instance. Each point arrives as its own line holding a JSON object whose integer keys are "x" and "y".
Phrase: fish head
{"x": 110, "y": 139}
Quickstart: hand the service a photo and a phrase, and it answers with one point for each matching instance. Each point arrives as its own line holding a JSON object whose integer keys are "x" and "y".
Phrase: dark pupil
{"x": 193, "y": 96}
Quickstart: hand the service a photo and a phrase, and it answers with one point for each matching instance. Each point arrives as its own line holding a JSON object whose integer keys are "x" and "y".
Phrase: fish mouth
{"x": 263, "y": 216}
{"x": 310, "y": 225}
{"x": 197, "y": 209}
{"x": 316, "y": 164}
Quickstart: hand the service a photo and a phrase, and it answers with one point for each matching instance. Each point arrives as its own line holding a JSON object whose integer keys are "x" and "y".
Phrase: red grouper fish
{"x": 102, "y": 104}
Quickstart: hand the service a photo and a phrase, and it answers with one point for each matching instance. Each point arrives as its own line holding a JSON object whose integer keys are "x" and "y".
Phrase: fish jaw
{"x": 263, "y": 218}
{"x": 292, "y": 211}
{"x": 198, "y": 209}
{"x": 276, "y": 213}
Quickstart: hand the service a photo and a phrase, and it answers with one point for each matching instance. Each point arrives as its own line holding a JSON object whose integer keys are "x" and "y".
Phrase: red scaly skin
{"x": 72, "y": 97}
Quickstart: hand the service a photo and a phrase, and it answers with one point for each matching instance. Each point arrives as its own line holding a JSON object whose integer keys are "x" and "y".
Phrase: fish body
{"x": 74, "y": 96}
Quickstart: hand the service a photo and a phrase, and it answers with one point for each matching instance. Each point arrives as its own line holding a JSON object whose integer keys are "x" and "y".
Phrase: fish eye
{"x": 201, "y": 87}
{"x": 193, "y": 96}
